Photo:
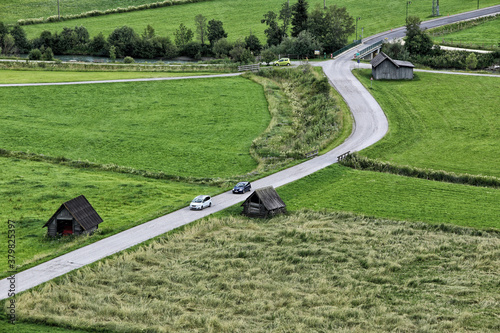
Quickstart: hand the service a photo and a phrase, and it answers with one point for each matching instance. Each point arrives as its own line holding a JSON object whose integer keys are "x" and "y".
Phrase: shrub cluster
{"x": 93, "y": 13}
{"x": 456, "y": 59}
{"x": 356, "y": 161}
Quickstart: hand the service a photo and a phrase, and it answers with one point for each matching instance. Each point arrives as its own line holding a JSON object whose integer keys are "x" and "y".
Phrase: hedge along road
{"x": 370, "y": 126}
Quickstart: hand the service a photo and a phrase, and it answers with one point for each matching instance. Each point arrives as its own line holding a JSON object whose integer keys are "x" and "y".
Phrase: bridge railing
{"x": 347, "y": 47}
{"x": 368, "y": 49}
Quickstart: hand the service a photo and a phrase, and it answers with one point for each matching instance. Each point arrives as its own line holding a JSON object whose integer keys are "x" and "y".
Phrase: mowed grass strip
{"x": 301, "y": 273}
{"x": 197, "y": 128}
{"x": 31, "y": 192}
{"x": 481, "y": 34}
{"x": 439, "y": 121}
{"x": 33, "y": 76}
{"x": 242, "y": 16}
{"x": 381, "y": 195}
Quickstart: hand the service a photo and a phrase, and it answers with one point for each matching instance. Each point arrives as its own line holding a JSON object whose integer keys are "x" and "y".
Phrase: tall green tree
{"x": 285, "y": 17}
{"x": 201, "y": 27}
{"x": 215, "y": 31}
{"x": 299, "y": 17}
{"x": 183, "y": 36}
{"x": 273, "y": 31}
{"x": 126, "y": 41}
{"x": 252, "y": 43}
{"x": 416, "y": 40}
{"x": 331, "y": 26}
{"x": 22, "y": 43}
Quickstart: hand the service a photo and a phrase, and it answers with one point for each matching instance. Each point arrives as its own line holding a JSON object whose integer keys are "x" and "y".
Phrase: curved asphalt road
{"x": 370, "y": 126}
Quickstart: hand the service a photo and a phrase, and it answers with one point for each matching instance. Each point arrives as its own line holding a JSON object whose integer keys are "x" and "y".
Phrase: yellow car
{"x": 282, "y": 62}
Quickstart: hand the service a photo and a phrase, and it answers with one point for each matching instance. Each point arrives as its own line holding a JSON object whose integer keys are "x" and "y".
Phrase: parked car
{"x": 242, "y": 187}
{"x": 282, "y": 62}
{"x": 201, "y": 202}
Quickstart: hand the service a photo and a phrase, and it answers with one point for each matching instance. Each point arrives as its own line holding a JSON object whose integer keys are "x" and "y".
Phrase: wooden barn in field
{"x": 263, "y": 202}
{"x": 385, "y": 68}
{"x": 74, "y": 217}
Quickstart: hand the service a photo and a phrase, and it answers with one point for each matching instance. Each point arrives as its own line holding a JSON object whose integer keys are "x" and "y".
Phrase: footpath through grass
{"x": 193, "y": 128}
{"x": 438, "y": 121}
{"x": 239, "y": 17}
{"x": 301, "y": 273}
{"x": 31, "y": 192}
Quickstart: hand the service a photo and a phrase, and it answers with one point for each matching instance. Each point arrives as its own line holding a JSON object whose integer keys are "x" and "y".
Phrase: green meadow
{"x": 192, "y": 128}
{"x": 387, "y": 196}
{"x": 480, "y": 34}
{"x": 307, "y": 272}
{"x": 439, "y": 121}
{"x": 30, "y": 76}
{"x": 31, "y": 192}
{"x": 242, "y": 16}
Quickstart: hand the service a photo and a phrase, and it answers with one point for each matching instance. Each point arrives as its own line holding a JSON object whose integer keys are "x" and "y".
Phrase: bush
{"x": 35, "y": 54}
{"x": 128, "y": 60}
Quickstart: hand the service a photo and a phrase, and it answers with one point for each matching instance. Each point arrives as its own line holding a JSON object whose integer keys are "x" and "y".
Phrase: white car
{"x": 201, "y": 202}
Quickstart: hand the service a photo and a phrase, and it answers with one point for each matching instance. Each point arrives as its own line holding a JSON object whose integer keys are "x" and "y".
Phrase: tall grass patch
{"x": 31, "y": 192}
{"x": 382, "y": 195}
{"x": 306, "y": 115}
{"x": 199, "y": 128}
{"x": 305, "y": 272}
{"x": 440, "y": 122}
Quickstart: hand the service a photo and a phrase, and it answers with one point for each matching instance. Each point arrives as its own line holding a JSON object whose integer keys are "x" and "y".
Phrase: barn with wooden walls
{"x": 385, "y": 68}
{"x": 263, "y": 202}
{"x": 74, "y": 217}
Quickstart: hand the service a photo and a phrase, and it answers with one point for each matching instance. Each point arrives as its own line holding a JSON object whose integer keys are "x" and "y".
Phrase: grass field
{"x": 238, "y": 23}
{"x": 28, "y": 76}
{"x": 303, "y": 273}
{"x": 31, "y": 192}
{"x": 199, "y": 128}
{"x": 482, "y": 34}
{"x": 381, "y": 195}
{"x": 441, "y": 122}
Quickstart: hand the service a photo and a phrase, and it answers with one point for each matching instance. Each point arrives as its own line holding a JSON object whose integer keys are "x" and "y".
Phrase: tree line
{"x": 293, "y": 30}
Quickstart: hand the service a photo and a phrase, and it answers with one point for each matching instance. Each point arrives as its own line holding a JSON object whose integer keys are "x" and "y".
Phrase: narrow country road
{"x": 370, "y": 126}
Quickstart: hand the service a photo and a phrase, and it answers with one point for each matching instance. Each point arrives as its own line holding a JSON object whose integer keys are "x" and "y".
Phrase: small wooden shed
{"x": 263, "y": 202}
{"x": 74, "y": 217}
{"x": 385, "y": 68}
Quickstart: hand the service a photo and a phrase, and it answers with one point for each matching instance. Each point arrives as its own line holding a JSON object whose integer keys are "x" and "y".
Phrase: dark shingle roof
{"x": 382, "y": 56}
{"x": 269, "y": 198}
{"x": 82, "y": 211}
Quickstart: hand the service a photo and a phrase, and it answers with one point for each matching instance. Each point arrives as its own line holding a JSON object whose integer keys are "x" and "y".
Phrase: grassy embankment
{"x": 238, "y": 23}
{"x": 476, "y": 35}
{"x": 306, "y": 272}
{"x": 441, "y": 122}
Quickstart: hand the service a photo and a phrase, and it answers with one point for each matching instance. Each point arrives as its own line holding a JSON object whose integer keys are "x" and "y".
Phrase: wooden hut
{"x": 74, "y": 217}
{"x": 263, "y": 202}
{"x": 385, "y": 68}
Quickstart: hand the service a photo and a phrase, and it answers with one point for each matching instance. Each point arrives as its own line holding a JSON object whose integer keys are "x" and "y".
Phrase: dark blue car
{"x": 242, "y": 187}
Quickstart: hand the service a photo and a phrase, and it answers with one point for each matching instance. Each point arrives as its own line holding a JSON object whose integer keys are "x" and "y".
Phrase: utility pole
{"x": 324, "y": 4}
{"x": 407, "y": 4}
{"x": 357, "y": 19}
{"x": 58, "y": 15}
